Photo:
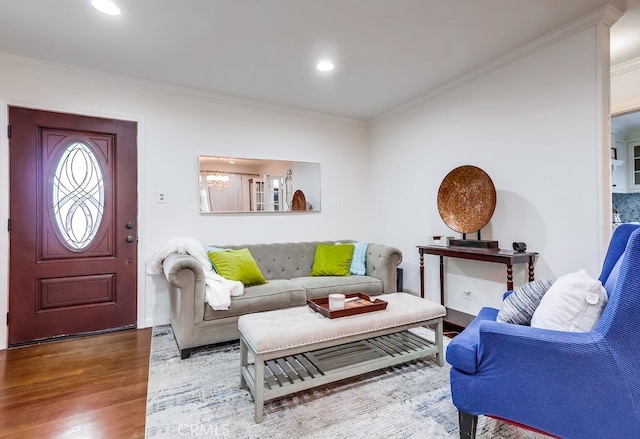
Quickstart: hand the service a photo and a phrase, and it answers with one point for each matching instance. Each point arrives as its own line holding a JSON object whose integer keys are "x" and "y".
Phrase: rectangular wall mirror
{"x": 240, "y": 185}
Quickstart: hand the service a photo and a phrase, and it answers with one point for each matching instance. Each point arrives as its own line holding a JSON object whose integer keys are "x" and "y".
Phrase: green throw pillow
{"x": 332, "y": 260}
{"x": 237, "y": 265}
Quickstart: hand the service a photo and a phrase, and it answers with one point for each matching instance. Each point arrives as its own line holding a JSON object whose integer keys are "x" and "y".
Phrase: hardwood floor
{"x": 90, "y": 387}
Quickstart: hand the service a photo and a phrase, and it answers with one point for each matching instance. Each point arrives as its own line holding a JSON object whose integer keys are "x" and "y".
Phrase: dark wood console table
{"x": 507, "y": 257}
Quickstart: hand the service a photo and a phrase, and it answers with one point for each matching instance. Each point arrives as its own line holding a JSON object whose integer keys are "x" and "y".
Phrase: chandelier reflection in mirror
{"x": 78, "y": 196}
{"x": 239, "y": 185}
{"x": 217, "y": 181}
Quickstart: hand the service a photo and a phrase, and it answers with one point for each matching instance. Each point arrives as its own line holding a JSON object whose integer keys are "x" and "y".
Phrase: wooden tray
{"x": 363, "y": 305}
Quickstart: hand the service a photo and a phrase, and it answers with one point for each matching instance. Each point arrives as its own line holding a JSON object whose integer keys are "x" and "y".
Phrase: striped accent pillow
{"x": 519, "y": 306}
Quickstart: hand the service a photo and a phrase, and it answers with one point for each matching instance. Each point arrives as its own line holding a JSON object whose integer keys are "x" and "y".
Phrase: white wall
{"x": 175, "y": 126}
{"x": 535, "y": 127}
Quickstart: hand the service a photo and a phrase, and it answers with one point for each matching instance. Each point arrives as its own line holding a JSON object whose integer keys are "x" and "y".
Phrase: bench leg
{"x": 243, "y": 362}
{"x": 439, "y": 342}
{"x": 259, "y": 396}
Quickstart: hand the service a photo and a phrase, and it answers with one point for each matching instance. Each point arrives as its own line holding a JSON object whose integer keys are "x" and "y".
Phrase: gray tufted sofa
{"x": 286, "y": 267}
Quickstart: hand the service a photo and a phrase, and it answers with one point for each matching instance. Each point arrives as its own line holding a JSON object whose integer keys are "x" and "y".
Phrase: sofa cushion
{"x": 358, "y": 262}
{"x": 209, "y": 248}
{"x": 573, "y": 303}
{"x": 282, "y": 260}
{"x": 278, "y": 293}
{"x": 519, "y": 306}
{"x": 332, "y": 260}
{"x": 237, "y": 265}
{"x": 323, "y": 286}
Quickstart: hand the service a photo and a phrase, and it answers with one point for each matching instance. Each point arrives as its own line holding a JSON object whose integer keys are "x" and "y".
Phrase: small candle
{"x": 336, "y": 301}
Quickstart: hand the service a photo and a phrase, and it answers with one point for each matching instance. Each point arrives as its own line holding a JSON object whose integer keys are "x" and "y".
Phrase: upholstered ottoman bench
{"x": 294, "y": 349}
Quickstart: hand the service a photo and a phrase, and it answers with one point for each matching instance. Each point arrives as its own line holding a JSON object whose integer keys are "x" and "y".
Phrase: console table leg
{"x": 441, "y": 280}
{"x": 509, "y": 277}
{"x": 421, "y": 275}
{"x": 532, "y": 276}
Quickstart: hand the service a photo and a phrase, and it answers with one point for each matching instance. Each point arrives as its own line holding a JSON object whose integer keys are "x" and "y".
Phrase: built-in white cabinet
{"x": 618, "y": 169}
{"x": 633, "y": 165}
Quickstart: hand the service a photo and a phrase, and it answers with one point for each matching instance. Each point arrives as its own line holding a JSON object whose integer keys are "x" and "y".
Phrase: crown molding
{"x": 607, "y": 15}
{"x": 180, "y": 91}
{"x": 625, "y": 67}
{"x": 610, "y": 15}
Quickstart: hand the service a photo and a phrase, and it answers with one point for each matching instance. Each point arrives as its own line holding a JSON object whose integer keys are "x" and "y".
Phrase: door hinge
{"x": 8, "y": 131}
{"x": 9, "y": 225}
{"x": 7, "y": 319}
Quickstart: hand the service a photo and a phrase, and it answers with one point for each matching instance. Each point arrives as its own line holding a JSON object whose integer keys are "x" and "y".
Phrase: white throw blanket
{"x": 218, "y": 290}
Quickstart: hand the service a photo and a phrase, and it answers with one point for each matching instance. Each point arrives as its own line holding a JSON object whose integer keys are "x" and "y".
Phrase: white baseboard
{"x": 157, "y": 321}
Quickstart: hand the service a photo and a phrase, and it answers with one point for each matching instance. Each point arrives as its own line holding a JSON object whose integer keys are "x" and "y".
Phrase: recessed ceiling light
{"x": 325, "y": 66}
{"x": 106, "y": 7}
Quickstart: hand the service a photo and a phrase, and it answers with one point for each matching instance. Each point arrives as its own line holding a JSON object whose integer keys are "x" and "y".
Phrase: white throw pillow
{"x": 573, "y": 303}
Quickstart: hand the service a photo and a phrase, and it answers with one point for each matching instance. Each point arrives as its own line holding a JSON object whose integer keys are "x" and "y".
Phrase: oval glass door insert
{"x": 78, "y": 196}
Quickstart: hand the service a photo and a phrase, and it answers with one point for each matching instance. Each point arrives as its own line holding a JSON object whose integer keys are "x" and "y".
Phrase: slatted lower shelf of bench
{"x": 290, "y": 374}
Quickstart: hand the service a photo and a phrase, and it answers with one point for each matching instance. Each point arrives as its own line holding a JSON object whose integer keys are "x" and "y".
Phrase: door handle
{"x": 129, "y": 239}
{"x": 129, "y": 225}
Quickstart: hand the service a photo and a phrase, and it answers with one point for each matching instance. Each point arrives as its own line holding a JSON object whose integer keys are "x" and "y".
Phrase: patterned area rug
{"x": 200, "y": 398}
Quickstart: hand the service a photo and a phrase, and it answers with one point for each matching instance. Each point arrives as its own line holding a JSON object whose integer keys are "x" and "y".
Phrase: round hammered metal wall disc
{"x": 466, "y": 199}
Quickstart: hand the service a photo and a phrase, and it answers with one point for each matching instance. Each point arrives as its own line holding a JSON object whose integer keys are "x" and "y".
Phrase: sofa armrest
{"x": 462, "y": 352}
{"x": 187, "y": 288}
{"x": 382, "y": 263}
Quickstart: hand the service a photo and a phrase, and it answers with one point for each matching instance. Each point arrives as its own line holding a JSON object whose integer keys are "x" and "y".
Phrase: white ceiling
{"x": 387, "y": 52}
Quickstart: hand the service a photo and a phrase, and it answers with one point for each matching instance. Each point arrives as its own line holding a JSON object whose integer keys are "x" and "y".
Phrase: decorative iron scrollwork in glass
{"x": 78, "y": 196}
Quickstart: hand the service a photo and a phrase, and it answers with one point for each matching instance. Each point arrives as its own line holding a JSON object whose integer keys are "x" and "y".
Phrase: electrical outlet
{"x": 161, "y": 198}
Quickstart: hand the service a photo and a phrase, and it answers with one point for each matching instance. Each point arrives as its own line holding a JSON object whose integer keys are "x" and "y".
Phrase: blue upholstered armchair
{"x": 566, "y": 384}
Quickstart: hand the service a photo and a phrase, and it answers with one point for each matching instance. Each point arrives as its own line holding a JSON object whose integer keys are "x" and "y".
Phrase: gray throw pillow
{"x": 520, "y": 305}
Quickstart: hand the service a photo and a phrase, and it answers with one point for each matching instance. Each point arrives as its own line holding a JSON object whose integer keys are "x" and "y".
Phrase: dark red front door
{"x": 73, "y": 242}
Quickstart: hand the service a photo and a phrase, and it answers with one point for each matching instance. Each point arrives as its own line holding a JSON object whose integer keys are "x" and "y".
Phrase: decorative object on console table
{"x": 474, "y": 243}
{"x": 442, "y": 241}
{"x": 466, "y": 202}
{"x": 520, "y": 247}
{"x": 507, "y": 257}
